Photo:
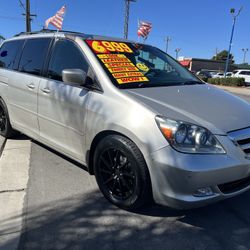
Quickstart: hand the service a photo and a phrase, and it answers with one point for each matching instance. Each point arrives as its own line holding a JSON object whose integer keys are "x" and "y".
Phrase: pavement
{"x": 242, "y": 91}
{"x": 48, "y": 201}
{"x": 14, "y": 167}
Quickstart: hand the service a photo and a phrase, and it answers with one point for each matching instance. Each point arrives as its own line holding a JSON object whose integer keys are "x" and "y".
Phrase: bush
{"x": 227, "y": 81}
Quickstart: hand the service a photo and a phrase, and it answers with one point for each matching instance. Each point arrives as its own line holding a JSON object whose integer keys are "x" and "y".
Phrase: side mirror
{"x": 76, "y": 76}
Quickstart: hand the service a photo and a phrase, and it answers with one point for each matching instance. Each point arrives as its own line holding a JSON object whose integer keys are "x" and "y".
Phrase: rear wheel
{"x": 5, "y": 127}
{"x": 121, "y": 172}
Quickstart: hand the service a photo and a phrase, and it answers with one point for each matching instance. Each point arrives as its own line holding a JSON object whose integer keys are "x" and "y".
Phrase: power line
{"x": 22, "y": 5}
{"x": 11, "y": 18}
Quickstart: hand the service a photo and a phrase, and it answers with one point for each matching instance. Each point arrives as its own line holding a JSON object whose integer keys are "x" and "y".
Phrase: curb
{"x": 2, "y": 144}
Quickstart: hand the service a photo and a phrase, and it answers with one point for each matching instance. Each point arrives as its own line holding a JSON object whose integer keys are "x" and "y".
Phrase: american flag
{"x": 57, "y": 19}
{"x": 144, "y": 29}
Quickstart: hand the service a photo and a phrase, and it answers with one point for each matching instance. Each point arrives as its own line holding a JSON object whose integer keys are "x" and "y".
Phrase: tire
{"x": 5, "y": 127}
{"x": 121, "y": 172}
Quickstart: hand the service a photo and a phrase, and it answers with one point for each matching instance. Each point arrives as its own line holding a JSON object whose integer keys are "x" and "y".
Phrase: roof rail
{"x": 47, "y": 31}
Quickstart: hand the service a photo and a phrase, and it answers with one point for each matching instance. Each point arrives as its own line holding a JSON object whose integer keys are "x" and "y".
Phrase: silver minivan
{"x": 145, "y": 126}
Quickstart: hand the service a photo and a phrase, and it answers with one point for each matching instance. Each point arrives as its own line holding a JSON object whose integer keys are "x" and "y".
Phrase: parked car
{"x": 218, "y": 75}
{"x": 229, "y": 74}
{"x": 243, "y": 73}
{"x": 206, "y": 74}
{"x": 146, "y": 127}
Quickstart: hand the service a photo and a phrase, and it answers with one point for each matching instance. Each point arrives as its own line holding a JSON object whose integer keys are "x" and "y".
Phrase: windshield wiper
{"x": 192, "y": 82}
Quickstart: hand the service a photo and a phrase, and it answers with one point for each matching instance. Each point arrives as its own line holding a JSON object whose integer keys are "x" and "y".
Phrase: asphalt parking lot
{"x": 64, "y": 210}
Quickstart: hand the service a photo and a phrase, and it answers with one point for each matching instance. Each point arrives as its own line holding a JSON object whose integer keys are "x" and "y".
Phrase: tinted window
{"x": 66, "y": 55}
{"x": 8, "y": 53}
{"x": 33, "y": 56}
{"x": 244, "y": 73}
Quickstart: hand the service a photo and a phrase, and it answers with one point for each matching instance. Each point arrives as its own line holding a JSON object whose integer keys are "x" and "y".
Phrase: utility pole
{"x": 232, "y": 11}
{"x": 177, "y": 51}
{"x": 167, "y": 40}
{"x": 28, "y": 16}
{"x": 216, "y": 52}
{"x": 245, "y": 53}
{"x": 126, "y": 18}
{"x": 28, "y": 19}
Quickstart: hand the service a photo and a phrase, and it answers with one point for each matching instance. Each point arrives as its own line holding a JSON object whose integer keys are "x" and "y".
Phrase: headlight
{"x": 189, "y": 138}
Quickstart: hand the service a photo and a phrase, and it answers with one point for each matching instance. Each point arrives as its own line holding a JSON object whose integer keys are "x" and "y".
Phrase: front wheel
{"x": 121, "y": 172}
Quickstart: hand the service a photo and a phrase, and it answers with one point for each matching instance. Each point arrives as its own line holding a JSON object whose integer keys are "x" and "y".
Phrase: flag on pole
{"x": 57, "y": 19}
{"x": 144, "y": 29}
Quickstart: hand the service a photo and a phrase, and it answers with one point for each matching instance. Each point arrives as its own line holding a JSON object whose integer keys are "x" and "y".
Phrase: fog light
{"x": 202, "y": 192}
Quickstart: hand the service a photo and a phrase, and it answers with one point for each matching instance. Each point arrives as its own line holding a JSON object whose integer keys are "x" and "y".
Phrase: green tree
{"x": 243, "y": 66}
{"x": 222, "y": 56}
{"x": 2, "y": 38}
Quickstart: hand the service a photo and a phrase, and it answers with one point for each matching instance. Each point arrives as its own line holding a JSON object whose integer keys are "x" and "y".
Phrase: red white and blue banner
{"x": 144, "y": 29}
{"x": 57, "y": 19}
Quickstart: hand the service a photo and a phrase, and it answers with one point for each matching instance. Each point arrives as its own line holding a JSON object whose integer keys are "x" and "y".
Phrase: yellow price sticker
{"x": 142, "y": 67}
{"x": 132, "y": 79}
{"x": 108, "y": 46}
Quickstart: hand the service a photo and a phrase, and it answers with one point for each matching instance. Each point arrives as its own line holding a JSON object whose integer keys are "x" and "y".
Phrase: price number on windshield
{"x": 108, "y": 47}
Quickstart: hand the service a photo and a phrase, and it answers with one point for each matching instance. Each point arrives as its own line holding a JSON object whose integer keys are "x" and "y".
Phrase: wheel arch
{"x": 96, "y": 140}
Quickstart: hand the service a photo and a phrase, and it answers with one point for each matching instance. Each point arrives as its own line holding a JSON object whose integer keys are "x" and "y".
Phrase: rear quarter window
{"x": 9, "y": 52}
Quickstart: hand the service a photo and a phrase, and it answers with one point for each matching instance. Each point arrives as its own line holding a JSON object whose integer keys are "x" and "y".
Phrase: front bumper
{"x": 176, "y": 177}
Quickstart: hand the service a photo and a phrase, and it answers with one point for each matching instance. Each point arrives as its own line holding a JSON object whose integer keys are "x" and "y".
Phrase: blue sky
{"x": 197, "y": 27}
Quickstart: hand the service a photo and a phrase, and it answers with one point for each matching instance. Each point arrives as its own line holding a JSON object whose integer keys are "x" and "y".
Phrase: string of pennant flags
{"x": 144, "y": 28}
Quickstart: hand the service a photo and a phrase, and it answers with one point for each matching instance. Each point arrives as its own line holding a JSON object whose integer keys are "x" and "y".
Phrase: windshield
{"x": 131, "y": 65}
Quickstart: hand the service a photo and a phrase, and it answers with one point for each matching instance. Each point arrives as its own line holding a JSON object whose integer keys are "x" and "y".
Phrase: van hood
{"x": 204, "y": 105}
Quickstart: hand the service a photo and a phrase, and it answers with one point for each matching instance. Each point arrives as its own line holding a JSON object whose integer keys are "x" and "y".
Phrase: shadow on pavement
{"x": 87, "y": 221}
{"x": 90, "y": 222}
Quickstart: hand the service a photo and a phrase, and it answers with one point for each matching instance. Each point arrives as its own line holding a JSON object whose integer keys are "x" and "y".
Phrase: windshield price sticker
{"x": 132, "y": 79}
{"x": 123, "y": 69}
{"x": 100, "y": 47}
{"x": 105, "y": 56}
{"x": 142, "y": 67}
{"x": 115, "y": 60}
{"x": 119, "y": 65}
{"x": 113, "y": 65}
{"x": 127, "y": 74}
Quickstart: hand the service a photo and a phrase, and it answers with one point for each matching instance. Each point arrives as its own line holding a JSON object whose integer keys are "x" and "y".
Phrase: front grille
{"x": 234, "y": 186}
{"x": 242, "y": 138}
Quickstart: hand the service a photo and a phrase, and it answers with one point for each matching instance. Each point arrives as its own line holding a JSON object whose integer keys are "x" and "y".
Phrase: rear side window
{"x": 244, "y": 73}
{"x": 8, "y": 53}
{"x": 66, "y": 55}
{"x": 33, "y": 56}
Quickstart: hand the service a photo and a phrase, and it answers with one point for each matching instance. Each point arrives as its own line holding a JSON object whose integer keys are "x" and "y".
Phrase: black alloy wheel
{"x": 121, "y": 172}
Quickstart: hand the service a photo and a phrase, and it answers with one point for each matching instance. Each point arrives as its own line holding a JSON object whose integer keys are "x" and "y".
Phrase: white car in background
{"x": 221, "y": 75}
{"x": 218, "y": 75}
{"x": 243, "y": 73}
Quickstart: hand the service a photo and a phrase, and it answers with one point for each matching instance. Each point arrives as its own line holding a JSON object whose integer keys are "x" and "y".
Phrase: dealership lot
{"x": 63, "y": 209}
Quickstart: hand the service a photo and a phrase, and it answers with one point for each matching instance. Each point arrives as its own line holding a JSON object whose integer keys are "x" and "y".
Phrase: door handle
{"x": 46, "y": 90}
{"x": 31, "y": 86}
